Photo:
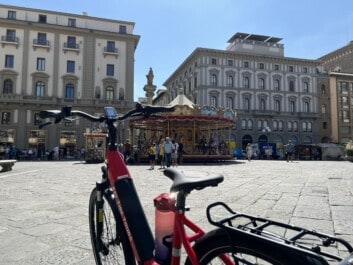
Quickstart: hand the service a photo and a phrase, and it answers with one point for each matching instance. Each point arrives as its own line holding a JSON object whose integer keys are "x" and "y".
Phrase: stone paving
{"x": 44, "y": 205}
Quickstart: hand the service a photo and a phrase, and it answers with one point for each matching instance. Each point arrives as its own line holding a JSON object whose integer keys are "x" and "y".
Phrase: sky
{"x": 171, "y": 30}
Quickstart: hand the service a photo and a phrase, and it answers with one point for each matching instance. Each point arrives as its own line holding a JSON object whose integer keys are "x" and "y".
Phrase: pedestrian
{"x": 161, "y": 155}
{"x": 175, "y": 149}
{"x": 168, "y": 145}
{"x": 127, "y": 150}
{"x": 249, "y": 151}
{"x": 152, "y": 155}
{"x": 289, "y": 151}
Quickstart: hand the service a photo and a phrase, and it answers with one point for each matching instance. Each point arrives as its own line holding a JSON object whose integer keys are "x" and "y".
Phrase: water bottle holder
{"x": 167, "y": 241}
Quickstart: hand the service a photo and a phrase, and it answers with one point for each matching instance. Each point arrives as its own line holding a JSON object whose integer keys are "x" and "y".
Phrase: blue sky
{"x": 171, "y": 29}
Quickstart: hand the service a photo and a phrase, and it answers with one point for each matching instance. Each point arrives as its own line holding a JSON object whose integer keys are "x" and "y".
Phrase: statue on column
{"x": 149, "y": 87}
{"x": 150, "y": 77}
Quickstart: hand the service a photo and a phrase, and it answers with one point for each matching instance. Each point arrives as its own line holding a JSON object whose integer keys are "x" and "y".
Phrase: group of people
{"x": 167, "y": 152}
{"x": 289, "y": 151}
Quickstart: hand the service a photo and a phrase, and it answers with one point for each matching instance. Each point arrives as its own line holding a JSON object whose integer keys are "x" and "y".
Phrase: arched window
{"x": 295, "y": 126}
{"x": 259, "y": 125}
{"x": 243, "y": 124}
{"x": 291, "y": 85}
{"x": 109, "y": 93}
{"x": 277, "y": 85}
{"x": 292, "y": 106}
{"x": 306, "y": 87}
{"x": 230, "y": 81}
{"x": 246, "y": 104}
{"x": 304, "y": 127}
{"x": 275, "y": 125}
{"x": 306, "y": 106}
{"x": 262, "y": 83}
{"x": 290, "y": 126}
{"x": 213, "y": 101}
{"x": 7, "y": 89}
{"x": 323, "y": 89}
{"x": 40, "y": 89}
{"x": 280, "y": 125}
{"x": 249, "y": 124}
{"x": 69, "y": 91}
{"x": 262, "y": 104}
{"x": 309, "y": 127}
{"x": 230, "y": 103}
{"x": 214, "y": 80}
{"x": 277, "y": 105}
{"x": 246, "y": 82}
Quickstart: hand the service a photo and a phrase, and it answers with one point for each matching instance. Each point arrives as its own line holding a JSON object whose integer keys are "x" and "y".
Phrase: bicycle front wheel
{"x": 112, "y": 245}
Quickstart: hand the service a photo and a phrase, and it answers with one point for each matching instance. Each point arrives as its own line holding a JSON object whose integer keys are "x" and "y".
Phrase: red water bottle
{"x": 164, "y": 225}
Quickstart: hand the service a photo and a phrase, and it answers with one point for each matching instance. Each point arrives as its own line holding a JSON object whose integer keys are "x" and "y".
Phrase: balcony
{"x": 68, "y": 46}
{"x": 9, "y": 40}
{"x": 110, "y": 51}
{"x": 38, "y": 43}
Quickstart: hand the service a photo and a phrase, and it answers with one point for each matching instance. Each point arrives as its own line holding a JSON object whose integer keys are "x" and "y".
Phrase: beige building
{"x": 275, "y": 97}
{"x": 52, "y": 59}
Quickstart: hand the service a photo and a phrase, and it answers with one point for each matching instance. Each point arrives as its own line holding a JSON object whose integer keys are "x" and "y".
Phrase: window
{"x": 292, "y": 106}
{"x": 276, "y": 67}
{"x": 5, "y": 117}
{"x": 109, "y": 93}
{"x": 110, "y": 69}
{"x": 122, "y": 29}
{"x": 69, "y": 91}
{"x": 41, "y": 64}
{"x": 306, "y": 87}
{"x": 247, "y": 104}
{"x": 246, "y": 64}
{"x": 213, "y": 101}
{"x": 290, "y": 126}
{"x": 246, "y": 82}
{"x": 323, "y": 109}
{"x": 9, "y": 61}
{"x": 40, "y": 88}
{"x": 249, "y": 125}
{"x": 262, "y": 83}
{"x": 7, "y": 89}
{"x": 262, "y": 66}
{"x": 323, "y": 89}
{"x": 280, "y": 125}
{"x": 70, "y": 67}
{"x": 309, "y": 127}
{"x": 243, "y": 124}
{"x": 275, "y": 125}
{"x": 306, "y": 106}
{"x": 324, "y": 125}
{"x": 305, "y": 69}
{"x": 290, "y": 69}
{"x": 213, "y": 80}
{"x": 36, "y": 119}
{"x": 295, "y": 126}
{"x": 121, "y": 93}
{"x": 110, "y": 46}
{"x": 42, "y": 19}
{"x": 259, "y": 125}
{"x": 71, "y": 42}
{"x": 71, "y": 22}
{"x": 277, "y": 85}
{"x": 304, "y": 127}
{"x": 230, "y": 102}
{"x": 230, "y": 63}
{"x": 42, "y": 38}
{"x": 291, "y": 85}
{"x": 277, "y": 105}
{"x": 230, "y": 81}
{"x": 213, "y": 61}
{"x": 262, "y": 104}
{"x": 11, "y": 35}
{"x": 11, "y": 14}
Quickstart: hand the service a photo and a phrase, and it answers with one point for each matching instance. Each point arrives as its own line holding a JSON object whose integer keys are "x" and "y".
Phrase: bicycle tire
{"x": 217, "y": 242}
{"x": 117, "y": 247}
{"x": 245, "y": 248}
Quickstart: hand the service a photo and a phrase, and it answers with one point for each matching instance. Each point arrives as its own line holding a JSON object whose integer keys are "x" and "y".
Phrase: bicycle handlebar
{"x": 66, "y": 112}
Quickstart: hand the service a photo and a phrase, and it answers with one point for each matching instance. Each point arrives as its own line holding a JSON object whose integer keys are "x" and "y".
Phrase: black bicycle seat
{"x": 188, "y": 181}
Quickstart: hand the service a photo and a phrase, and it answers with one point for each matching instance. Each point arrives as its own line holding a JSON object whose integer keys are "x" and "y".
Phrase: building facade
{"x": 275, "y": 97}
{"x": 49, "y": 60}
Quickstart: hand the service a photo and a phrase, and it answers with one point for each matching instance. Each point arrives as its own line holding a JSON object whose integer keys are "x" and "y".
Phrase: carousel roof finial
{"x": 181, "y": 100}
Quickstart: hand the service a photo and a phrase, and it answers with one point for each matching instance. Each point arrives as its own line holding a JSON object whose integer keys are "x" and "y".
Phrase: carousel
{"x": 203, "y": 133}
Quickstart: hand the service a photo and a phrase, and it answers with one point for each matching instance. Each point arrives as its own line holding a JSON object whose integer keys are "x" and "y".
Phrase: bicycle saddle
{"x": 188, "y": 181}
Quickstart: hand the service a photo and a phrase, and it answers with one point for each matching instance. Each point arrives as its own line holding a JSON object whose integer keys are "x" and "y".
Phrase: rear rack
{"x": 322, "y": 244}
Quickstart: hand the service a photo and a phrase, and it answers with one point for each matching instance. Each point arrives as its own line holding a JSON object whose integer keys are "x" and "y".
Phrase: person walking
{"x": 168, "y": 146}
{"x": 152, "y": 155}
{"x": 161, "y": 155}
{"x": 175, "y": 149}
{"x": 249, "y": 151}
{"x": 289, "y": 151}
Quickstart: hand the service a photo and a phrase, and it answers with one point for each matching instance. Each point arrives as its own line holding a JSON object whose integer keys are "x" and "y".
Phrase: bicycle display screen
{"x": 111, "y": 113}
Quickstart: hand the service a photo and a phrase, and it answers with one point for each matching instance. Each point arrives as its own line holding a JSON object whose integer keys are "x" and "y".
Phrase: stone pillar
{"x": 150, "y": 88}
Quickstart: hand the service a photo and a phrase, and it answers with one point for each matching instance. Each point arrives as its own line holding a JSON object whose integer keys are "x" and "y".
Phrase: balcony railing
{"x": 68, "y": 46}
{"x": 110, "y": 51}
{"x": 9, "y": 39}
{"x": 38, "y": 43}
